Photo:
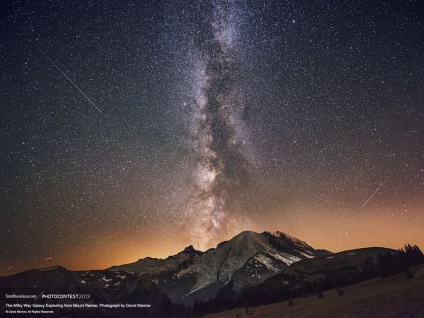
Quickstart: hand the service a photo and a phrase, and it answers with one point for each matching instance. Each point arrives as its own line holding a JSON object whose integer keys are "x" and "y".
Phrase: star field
{"x": 135, "y": 129}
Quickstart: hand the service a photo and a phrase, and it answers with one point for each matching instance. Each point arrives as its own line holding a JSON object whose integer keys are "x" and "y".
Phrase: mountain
{"x": 245, "y": 261}
{"x": 257, "y": 268}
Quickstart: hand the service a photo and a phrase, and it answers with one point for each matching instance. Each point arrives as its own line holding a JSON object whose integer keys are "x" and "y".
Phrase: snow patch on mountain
{"x": 265, "y": 260}
{"x": 105, "y": 279}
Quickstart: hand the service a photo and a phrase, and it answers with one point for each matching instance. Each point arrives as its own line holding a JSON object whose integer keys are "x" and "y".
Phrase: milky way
{"x": 222, "y": 167}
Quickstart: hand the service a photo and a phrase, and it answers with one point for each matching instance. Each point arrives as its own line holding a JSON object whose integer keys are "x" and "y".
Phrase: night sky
{"x": 136, "y": 128}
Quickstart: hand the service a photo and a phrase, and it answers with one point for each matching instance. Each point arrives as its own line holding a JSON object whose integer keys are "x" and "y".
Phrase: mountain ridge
{"x": 191, "y": 250}
{"x": 248, "y": 261}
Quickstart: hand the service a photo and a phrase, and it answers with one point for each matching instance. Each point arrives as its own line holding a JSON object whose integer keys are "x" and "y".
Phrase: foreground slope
{"x": 394, "y": 296}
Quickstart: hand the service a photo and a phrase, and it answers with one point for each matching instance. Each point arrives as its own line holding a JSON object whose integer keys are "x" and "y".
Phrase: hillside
{"x": 394, "y": 296}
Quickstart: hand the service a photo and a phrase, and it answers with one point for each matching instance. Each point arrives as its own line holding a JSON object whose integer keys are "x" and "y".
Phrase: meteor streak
{"x": 75, "y": 85}
{"x": 375, "y": 191}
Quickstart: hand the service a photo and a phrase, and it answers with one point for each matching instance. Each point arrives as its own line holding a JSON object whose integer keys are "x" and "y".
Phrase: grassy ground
{"x": 395, "y": 296}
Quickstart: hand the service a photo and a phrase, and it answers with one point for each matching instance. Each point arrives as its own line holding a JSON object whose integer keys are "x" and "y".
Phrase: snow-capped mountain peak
{"x": 244, "y": 261}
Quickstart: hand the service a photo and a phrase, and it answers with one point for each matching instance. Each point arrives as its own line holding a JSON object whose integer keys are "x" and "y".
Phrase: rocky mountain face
{"x": 246, "y": 260}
